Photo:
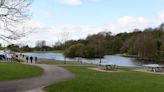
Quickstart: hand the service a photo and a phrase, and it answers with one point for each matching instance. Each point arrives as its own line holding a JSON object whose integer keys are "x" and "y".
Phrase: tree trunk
{"x": 65, "y": 60}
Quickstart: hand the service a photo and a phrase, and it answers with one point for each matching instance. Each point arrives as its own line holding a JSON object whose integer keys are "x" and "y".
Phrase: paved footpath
{"x": 52, "y": 74}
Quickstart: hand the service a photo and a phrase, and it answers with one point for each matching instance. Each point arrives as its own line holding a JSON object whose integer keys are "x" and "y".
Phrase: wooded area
{"x": 147, "y": 44}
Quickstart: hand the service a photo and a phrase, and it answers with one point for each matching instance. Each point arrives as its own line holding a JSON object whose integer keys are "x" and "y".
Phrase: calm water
{"x": 114, "y": 59}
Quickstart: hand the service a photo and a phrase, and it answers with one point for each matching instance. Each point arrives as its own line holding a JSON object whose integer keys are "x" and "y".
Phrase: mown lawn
{"x": 61, "y": 63}
{"x": 87, "y": 80}
{"x": 12, "y": 71}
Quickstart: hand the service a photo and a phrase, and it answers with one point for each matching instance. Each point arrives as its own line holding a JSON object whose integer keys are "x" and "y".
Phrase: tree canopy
{"x": 147, "y": 44}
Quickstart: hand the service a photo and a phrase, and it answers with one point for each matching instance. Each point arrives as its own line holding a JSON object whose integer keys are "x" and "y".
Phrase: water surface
{"x": 114, "y": 59}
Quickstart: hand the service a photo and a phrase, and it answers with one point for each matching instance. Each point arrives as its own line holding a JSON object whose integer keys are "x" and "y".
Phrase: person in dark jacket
{"x": 27, "y": 59}
{"x": 31, "y": 58}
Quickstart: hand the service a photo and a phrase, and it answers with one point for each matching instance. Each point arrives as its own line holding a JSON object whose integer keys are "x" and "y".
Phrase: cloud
{"x": 161, "y": 16}
{"x": 127, "y": 23}
{"x": 54, "y": 34}
{"x": 71, "y": 2}
{"x": 75, "y": 2}
{"x": 51, "y": 34}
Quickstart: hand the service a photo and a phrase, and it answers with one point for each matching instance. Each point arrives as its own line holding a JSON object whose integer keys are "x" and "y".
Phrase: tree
{"x": 161, "y": 27}
{"x": 40, "y": 45}
{"x": 12, "y": 15}
{"x": 88, "y": 52}
{"x": 75, "y": 51}
{"x": 63, "y": 37}
{"x": 97, "y": 43}
{"x": 162, "y": 48}
{"x": 146, "y": 46}
{"x": 13, "y": 47}
{"x": 116, "y": 45}
{"x": 57, "y": 46}
{"x": 128, "y": 46}
{"x": 26, "y": 48}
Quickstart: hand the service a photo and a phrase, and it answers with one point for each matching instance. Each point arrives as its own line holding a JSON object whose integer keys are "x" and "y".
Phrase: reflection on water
{"x": 114, "y": 59}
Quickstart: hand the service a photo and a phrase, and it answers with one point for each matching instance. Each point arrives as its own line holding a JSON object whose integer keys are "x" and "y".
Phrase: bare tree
{"x": 63, "y": 37}
{"x": 41, "y": 44}
{"x": 13, "y": 14}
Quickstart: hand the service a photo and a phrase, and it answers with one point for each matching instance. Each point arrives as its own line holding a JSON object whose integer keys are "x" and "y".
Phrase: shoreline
{"x": 143, "y": 59}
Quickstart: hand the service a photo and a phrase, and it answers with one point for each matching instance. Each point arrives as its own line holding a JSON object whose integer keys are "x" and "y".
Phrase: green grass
{"x": 87, "y": 80}
{"x": 61, "y": 63}
{"x": 13, "y": 71}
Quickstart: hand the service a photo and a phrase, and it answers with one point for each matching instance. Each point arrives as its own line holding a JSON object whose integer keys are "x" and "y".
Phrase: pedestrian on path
{"x": 16, "y": 56}
{"x": 31, "y": 58}
{"x": 36, "y": 59}
{"x": 23, "y": 55}
{"x": 27, "y": 59}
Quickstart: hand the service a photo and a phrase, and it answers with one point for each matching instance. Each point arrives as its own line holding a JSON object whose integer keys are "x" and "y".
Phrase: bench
{"x": 154, "y": 67}
{"x": 108, "y": 66}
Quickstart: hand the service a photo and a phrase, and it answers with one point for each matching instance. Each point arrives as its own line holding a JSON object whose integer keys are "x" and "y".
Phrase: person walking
{"x": 27, "y": 59}
{"x": 31, "y": 58}
{"x": 16, "y": 56}
{"x": 36, "y": 59}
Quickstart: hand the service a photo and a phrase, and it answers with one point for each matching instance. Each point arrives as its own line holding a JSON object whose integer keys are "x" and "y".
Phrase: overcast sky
{"x": 83, "y": 17}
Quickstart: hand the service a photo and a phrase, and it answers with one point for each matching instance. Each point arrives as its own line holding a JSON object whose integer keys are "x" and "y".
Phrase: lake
{"x": 114, "y": 59}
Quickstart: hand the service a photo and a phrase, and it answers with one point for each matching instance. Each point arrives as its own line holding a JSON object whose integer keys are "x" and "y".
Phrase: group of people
{"x": 29, "y": 58}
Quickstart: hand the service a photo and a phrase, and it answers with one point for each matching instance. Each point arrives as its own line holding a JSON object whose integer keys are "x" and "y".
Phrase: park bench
{"x": 154, "y": 67}
{"x": 108, "y": 66}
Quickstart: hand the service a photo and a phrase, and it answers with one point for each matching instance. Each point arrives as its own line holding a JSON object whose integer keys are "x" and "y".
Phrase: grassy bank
{"x": 61, "y": 63}
{"x": 87, "y": 80}
{"x": 12, "y": 71}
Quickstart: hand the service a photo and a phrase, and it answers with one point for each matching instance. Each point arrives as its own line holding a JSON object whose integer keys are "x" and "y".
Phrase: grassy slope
{"x": 12, "y": 71}
{"x": 92, "y": 81}
{"x": 61, "y": 63}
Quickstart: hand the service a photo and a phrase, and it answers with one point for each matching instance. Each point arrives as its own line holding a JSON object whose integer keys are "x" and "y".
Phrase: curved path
{"x": 52, "y": 74}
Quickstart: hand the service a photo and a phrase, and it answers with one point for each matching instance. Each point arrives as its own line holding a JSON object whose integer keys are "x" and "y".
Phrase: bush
{"x": 75, "y": 51}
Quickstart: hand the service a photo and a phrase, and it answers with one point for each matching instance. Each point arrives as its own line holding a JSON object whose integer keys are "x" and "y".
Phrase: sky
{"x": 80, "y": 18}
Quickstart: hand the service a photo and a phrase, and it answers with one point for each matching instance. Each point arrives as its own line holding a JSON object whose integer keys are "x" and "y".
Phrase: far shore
{"x": 56, "y": 51}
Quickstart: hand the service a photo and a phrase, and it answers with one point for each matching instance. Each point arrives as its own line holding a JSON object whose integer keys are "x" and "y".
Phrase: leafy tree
{"x": 146, "y": 46}
{"x": 26, "y": 48}
{"x": 97, "y": 43}
{"x": 89, "y": 52}
{"x": 162, "y": 48}
{"x": 13, "y": 47}
{"x": 75, "y": 51}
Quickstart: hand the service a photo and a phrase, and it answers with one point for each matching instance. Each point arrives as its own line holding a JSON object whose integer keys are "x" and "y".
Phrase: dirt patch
{"x": 148, "y": 71}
